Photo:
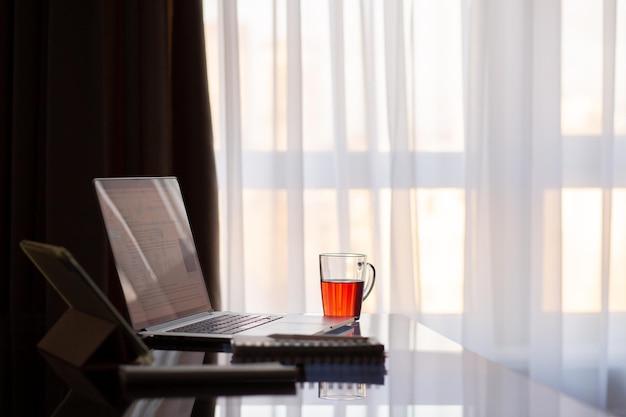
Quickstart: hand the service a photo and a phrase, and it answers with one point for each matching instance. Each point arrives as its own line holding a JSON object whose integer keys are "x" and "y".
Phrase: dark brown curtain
{"x": 91, "y": 88}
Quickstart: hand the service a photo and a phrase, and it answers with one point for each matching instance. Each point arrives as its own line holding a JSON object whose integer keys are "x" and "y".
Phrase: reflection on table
{"x": 424, "y": 375}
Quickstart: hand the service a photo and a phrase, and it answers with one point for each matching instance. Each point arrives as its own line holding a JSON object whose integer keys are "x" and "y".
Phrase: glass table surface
{"x": 425, "y": 375}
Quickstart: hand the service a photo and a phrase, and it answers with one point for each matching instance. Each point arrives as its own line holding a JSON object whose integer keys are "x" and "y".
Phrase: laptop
{"x": 159, "y": 270}
{"x": 79, "y": 292}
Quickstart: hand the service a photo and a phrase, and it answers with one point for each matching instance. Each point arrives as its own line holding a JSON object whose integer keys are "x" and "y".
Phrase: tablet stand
{"x": 85, "y": 352}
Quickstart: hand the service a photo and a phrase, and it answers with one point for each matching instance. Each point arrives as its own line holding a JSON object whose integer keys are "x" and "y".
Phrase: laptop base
{"x": 190, "y": 344}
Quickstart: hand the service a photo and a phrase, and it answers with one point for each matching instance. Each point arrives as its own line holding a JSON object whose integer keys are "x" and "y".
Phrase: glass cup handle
{"x": 370, "y": 281}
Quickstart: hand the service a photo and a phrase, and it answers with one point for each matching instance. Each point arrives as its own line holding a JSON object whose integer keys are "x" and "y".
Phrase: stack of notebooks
{"x": 301, "y": 349}
{"x": 320, "y": 358}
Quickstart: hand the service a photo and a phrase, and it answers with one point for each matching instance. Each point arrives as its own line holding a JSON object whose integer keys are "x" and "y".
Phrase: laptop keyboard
{"x": 226, "y": 324}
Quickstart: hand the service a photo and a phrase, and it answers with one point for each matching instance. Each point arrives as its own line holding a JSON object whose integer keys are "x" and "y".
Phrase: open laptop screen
{"x": 153, "y": 247}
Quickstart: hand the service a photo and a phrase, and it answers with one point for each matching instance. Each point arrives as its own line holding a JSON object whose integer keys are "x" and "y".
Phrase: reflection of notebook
{"x": 80, "y": 293}
{"x": 159, "y": 270}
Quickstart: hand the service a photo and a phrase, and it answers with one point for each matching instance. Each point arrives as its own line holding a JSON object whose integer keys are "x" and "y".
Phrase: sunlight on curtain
{"x": 582, "y": 258}
{"x": 475, "y": 151}
{"x": 617, "y": 284}
{"x": 581, "y": 69}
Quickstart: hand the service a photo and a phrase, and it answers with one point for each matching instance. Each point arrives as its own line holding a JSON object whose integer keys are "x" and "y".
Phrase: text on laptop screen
{"x": 154, "y": 252}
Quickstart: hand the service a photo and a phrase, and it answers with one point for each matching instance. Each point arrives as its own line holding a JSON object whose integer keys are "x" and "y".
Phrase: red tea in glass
{"x": 342, "y": 298}
{"x": 346, "y": 280}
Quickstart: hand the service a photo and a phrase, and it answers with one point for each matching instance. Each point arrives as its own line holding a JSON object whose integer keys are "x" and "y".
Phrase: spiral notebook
{"x": 304, "y": 349}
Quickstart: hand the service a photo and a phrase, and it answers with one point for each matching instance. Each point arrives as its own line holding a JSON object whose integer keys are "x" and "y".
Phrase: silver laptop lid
{"x": 153, "y": 248}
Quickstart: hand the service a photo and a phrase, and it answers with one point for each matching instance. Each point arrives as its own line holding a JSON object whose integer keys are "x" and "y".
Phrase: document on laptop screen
{"x": 153, "y": 248}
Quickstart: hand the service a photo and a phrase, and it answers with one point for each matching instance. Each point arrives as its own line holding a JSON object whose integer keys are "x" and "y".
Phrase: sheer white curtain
{"x": 475, "y": 150}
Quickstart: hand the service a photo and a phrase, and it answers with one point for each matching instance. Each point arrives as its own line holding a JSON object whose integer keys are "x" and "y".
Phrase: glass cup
{"x": 346, "y": 280}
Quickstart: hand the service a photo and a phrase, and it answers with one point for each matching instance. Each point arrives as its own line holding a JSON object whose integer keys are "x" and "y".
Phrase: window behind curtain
{"x": 435, "y": 101}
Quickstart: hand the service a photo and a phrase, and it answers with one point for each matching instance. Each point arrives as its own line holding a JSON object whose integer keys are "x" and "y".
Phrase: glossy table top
{"x": 426, "y": 375}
